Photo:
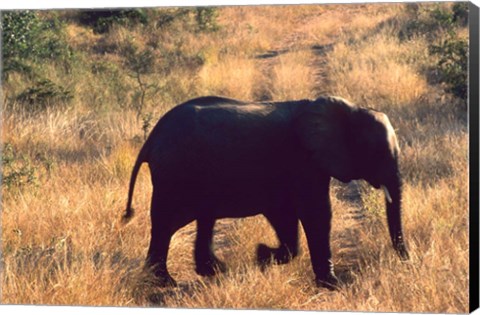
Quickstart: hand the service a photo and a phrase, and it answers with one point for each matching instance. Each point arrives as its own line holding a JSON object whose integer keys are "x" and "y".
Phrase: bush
{"x": 424, "y": 21}
{"x": 103, "y": 20}
{"x": 442, "y": 22}
{"x": 44, "y": 94}
{"x": 201, "y": 19}
{"x": 460, "y": 13}
{"x": 27, "y": 39}
{"x": 165, "y": 17}
{"x": 19, "y": 34}
{"x": 206, "y": 19}
{"x": 17, "y": 170}
{"x": 453, "y": 65}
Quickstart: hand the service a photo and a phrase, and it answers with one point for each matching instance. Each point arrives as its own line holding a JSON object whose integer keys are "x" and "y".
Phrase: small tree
{"x": 140, "y": 63}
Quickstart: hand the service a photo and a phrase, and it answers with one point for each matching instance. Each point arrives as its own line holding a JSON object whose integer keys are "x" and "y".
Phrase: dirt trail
{"x": 350, "y": 217}
{"x": 301, "y": 38}
{"x": 316, "y": 32}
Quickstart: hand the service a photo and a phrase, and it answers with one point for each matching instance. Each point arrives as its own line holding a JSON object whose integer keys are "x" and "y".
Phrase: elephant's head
{"x": 349, "y": 142}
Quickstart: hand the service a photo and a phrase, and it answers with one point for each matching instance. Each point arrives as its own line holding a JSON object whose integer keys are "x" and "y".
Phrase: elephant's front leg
{"x": 207, "y": 264}
{"x": 316, "y": 219}
{"x": 285, "y": 223}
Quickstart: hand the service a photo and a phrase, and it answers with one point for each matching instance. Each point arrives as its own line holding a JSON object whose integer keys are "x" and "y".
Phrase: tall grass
{"x": 62, "y": 241}
{"x": 230, "y": 76}
{"x": 293, "y": 77}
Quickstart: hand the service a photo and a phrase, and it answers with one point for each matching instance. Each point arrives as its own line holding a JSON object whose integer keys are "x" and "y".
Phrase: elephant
{"x": 214, "y": 157}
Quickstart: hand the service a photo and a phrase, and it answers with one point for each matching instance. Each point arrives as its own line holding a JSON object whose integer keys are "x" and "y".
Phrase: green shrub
{"x": 428, "y": 21}
{"x": 440, "y": 24}
{"x": 20, "y": 30}
{"x": 200, "y": 19}
{"x": 43, "y": 94}
{"x": 460, "y": 13}
{"x": 17, "y": 170}
{"x": 453, "y": 65}
{"x": 27, "y": 39}
{"x": 103, "y": 20}
{"x": 206, "y": 18}
{"x": 165, "y": 17}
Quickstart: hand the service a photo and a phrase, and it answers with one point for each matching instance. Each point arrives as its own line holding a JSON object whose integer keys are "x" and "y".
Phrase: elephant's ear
{"x": 323, "y": 127}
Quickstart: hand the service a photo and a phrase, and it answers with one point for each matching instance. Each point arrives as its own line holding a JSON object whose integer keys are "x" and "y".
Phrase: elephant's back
{"x": 181, "y": 120}
{"x": 225, "y": 141}
{"x": 212, "y": 101}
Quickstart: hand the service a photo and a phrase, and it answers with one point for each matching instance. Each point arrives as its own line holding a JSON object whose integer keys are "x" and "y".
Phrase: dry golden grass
{"x": 293, "y": 77}
{"x": 62, "y": 241}
{"x": 383, "y": 69}
{"x": 230, "y": 76}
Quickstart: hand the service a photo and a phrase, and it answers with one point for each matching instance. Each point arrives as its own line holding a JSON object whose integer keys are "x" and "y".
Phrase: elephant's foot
{"x": 330, "y": 281}
{"x": 165, "y": 281}
{"x": 161, "y": 276}
{"x": 210, "y": 267}
{"x": 266, "y": 255}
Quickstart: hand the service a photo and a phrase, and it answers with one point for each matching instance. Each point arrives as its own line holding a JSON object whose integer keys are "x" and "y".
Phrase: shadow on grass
{"x": 147, "y": 291}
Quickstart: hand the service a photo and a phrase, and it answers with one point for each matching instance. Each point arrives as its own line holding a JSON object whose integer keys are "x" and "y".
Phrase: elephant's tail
{"x": 129, "y": 212}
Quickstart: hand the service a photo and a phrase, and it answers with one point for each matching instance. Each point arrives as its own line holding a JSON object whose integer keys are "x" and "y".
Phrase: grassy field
{"x": 67, "y": 157}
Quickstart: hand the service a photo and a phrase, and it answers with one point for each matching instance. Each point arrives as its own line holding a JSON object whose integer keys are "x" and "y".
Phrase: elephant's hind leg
{"x": 161, "y": 234}
{"x": 207, "y": 264}
{"x": 285, "y": 224}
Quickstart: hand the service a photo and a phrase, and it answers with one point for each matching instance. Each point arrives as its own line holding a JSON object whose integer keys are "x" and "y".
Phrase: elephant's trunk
{"x": 393, "y": 200}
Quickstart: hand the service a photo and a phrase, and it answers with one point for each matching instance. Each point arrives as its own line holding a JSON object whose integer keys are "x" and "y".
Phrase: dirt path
{"x": 315, "y": 33}
{"x": 297, "y": 40}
